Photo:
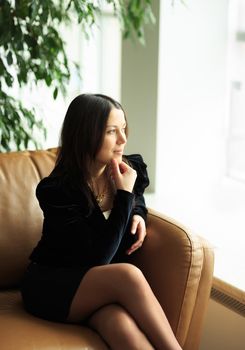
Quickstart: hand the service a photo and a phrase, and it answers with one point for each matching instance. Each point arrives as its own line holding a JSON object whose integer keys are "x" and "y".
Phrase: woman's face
{"x": 115, "y": 138}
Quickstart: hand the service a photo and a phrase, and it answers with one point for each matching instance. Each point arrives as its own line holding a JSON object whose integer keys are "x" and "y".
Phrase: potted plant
{"x": 30, "y": 39}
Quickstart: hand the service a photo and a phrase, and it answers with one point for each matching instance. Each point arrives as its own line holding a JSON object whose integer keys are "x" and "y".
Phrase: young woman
{"x": 94, "y": 217}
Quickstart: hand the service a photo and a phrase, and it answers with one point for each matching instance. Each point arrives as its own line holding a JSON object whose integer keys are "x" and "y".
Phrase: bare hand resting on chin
{"x": 123, "y": 175}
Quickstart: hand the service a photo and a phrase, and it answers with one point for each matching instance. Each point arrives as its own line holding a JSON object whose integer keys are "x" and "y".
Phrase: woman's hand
{"x": 138, "y": 227}
{"x": 123, "y": 175}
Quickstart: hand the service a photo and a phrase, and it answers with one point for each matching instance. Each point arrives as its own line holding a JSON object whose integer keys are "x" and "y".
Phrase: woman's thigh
{"x": 103, "y": 285}
{"x": 119, "y": 330}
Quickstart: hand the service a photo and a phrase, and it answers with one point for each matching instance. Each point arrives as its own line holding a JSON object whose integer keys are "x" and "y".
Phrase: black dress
{"x": 72, "y": 241}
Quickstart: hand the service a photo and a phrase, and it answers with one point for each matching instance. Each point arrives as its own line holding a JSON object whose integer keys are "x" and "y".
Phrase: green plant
{"x": 29, "y": 41}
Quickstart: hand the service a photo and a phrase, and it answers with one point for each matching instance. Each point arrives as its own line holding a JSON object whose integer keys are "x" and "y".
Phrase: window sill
{"x": 228, "y": 295}
{"x": 223, "y": 229}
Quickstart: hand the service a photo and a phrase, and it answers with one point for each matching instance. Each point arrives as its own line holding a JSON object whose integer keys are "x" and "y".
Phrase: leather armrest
{"x": 179, "y": 267}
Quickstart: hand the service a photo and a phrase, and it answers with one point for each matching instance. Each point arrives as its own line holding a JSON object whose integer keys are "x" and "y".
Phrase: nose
{"x": 121, "y": 138}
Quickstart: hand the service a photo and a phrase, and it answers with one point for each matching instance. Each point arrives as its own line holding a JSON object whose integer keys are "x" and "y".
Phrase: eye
{"x": 111, "y": 131}
{"x": 124, "y": 130}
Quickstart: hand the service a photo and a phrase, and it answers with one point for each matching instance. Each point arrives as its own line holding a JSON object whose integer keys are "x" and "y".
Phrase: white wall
{"x": 223, "y": 329}
{"x": 139, "y": 93}
{"x": 192, "y": 110}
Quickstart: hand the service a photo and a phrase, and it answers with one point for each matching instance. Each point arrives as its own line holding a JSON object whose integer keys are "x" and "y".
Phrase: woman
{"x": 94, "y": 217}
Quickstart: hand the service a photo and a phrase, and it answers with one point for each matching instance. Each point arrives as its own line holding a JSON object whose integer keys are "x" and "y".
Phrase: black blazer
{"x": 72, "y": 238}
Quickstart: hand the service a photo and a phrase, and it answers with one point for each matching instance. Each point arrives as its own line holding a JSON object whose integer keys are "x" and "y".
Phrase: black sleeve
{"x": 71, "y": 236}
{"x": 142, "y": 181}
{"x": 114, "y": 227}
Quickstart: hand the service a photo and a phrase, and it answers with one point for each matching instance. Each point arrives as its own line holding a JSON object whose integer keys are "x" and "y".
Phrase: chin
{"x": 118, "y": 157}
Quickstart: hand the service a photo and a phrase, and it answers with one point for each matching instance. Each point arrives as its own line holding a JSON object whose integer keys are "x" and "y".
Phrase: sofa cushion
{"x": 20, "y": 215}
{"x": 21, "y": 331}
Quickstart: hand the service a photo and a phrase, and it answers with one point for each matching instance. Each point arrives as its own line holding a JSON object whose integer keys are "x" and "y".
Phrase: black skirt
{"x": 47, "y": 292}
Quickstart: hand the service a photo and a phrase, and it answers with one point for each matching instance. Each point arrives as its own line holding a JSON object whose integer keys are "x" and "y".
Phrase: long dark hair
{"x": 81, "y": 138}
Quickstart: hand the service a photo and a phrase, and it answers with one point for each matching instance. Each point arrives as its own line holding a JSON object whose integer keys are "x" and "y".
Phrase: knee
{"x": 131, "y": 274}
{"x": 135, "y": 278}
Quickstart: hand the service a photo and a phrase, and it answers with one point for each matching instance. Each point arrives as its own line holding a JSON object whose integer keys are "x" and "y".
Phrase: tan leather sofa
{"x": 177, "y": 264}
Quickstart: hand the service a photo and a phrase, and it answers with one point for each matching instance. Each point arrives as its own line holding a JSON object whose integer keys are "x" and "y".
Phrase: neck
{"x": 99, "y": 184}
{"x": 97, "y": 171}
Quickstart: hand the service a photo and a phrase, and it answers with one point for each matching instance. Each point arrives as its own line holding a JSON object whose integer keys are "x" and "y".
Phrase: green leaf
{"x": 9, "y": 58}
{"x": 9, "y": 80}
{"x": 48, "y": 79}
{"x": 30, "y": 40}
{"x": 55, "y": 93}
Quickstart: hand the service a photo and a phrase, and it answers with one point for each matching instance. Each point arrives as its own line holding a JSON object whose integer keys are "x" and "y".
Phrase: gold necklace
{"x": 99, "y": 197}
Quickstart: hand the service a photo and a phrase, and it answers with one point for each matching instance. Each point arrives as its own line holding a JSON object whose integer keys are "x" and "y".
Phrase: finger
{"x": 115, "y": 171}
{"x": 134, "y": 226}
{"x": 138, "y": 243}
{"x": 134, "y": 247}
{"x": 141, "y": 230}
{"x": 123, "y": 167}
{"x": 114, "y": 163}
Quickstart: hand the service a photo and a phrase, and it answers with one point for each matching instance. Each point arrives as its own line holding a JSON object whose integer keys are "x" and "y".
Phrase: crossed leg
{"x": 123, "y": 284}
{"x": 118, "y": 329}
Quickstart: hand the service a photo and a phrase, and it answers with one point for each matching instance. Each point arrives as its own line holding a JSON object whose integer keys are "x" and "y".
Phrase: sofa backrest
{"x": 20, "y": 215}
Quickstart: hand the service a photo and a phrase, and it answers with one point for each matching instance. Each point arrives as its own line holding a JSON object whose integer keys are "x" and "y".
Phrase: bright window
{"x": 235, "y": 157}
{"x": 201, "y": 129}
